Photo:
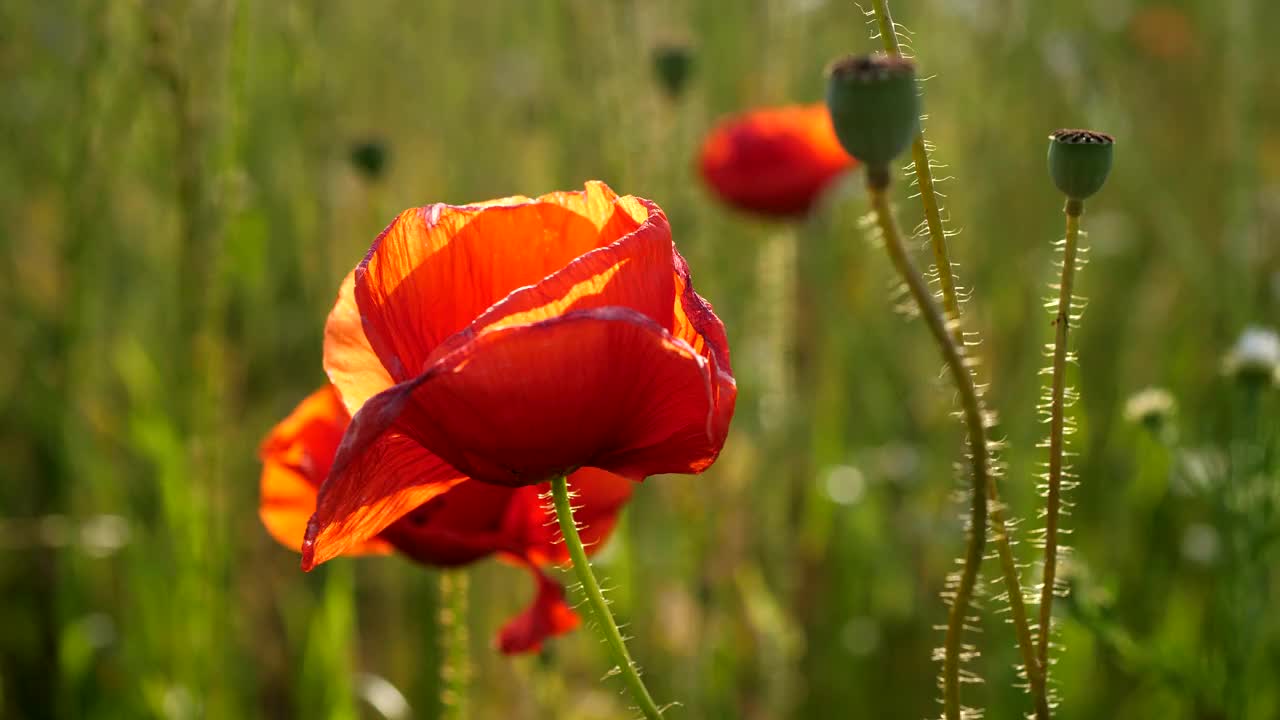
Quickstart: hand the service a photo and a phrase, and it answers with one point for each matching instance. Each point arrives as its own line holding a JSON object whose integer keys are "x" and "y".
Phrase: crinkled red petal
{"x": 549, "y": 615}
{"x": 378, "y": 476}
{"x": 605, "y": 388}
{"x": 436, "y": 269}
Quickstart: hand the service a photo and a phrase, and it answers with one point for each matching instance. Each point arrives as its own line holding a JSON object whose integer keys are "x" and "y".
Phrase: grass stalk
{"x": 455, "y": 655}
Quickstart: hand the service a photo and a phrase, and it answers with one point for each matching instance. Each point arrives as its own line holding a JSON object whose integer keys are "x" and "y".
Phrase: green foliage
{"x": 136, "y": 580}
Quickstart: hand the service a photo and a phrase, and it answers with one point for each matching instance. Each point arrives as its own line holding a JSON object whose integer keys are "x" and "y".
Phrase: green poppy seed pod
{"x": 1079, "y": 161}
{"x": 672, "y": 65}
{"x": 874, "y": 107}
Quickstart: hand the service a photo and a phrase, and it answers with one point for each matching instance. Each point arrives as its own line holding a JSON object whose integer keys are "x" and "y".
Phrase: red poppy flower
{"x": 775, "y": 161}
{"x": 470, "y": 521}
{"x": 511, "y": 342}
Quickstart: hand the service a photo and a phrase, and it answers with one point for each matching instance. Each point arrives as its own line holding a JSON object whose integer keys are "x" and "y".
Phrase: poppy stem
{"x": 924, "y": 178}
{"x": 954, "y": 355}
{"x": 455, "y": 656}
{"x": 1057, "y": 429}
{"x": 946, "y": 280}
{"x": 607, "y": 626}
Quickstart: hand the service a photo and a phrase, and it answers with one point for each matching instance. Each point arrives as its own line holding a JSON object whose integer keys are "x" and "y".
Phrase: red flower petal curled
{"x": 516, "y": 406}
{"x": 387, "y": 479}
{"x": 547, "y": 616}
{"x": 460, "y": 526}
{"x": 435, "y": 269}
{"x": 633, "y": 272}
{"x": 349, "y": 360}
{"x": 697, "y": 325}
{"x": 296, "y": 456}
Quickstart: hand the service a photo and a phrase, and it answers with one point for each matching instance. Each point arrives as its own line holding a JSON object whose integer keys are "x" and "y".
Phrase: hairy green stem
{"x": 946, "y": 279}
{"x": 606, "y": 625}
{"x": 1017, "y": 608}
{"x": 924, "y": 178}
{"x": 1057, "y": 429}
{"x": 979, "y": 461}
{"x": 455, "y": 655}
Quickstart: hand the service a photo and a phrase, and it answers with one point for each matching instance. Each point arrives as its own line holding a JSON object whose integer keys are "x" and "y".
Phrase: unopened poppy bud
{"x": 874, "y": 107}
{"x": 1079, "y": 161}
{"x": 369, "y": 157}
{"x": 672, "y": 65}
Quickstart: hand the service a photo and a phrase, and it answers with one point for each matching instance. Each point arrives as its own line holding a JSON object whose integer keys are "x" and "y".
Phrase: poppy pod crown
{"x": 874, "y": 106}
{"x": 1079, "y": 161}
{"x": 511, "y": 342}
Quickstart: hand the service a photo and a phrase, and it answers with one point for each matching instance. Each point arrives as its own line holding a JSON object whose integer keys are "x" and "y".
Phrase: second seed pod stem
{"x": 1079, "y": 162}
{"x": 875, "y": 110}
{"x": 979, "y": 466}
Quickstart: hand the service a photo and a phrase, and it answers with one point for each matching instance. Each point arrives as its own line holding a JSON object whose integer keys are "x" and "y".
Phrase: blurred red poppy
{"x": 470, "y": 521}
{"x": 511, "y": 342}
{"x": 774, "y": 161}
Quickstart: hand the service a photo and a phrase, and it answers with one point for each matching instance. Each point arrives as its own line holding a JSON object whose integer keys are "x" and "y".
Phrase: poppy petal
{"x": 296, "y": 455}
{"x": 435, "y": 269}
{"x": 286, "y": 503}
{"x": 349, "y": 360}
{"x": 607, "y": 388}
{"x": 696, "y": 324}
{"x": 633, "y": 272}
{"x": 378, "y": 476}
{"x": 459, "y": 526}
{"x": 548, "y": 616}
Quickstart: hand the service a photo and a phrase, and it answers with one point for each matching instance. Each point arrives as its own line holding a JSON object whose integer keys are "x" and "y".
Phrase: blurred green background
{"x": 178, "y": 205}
